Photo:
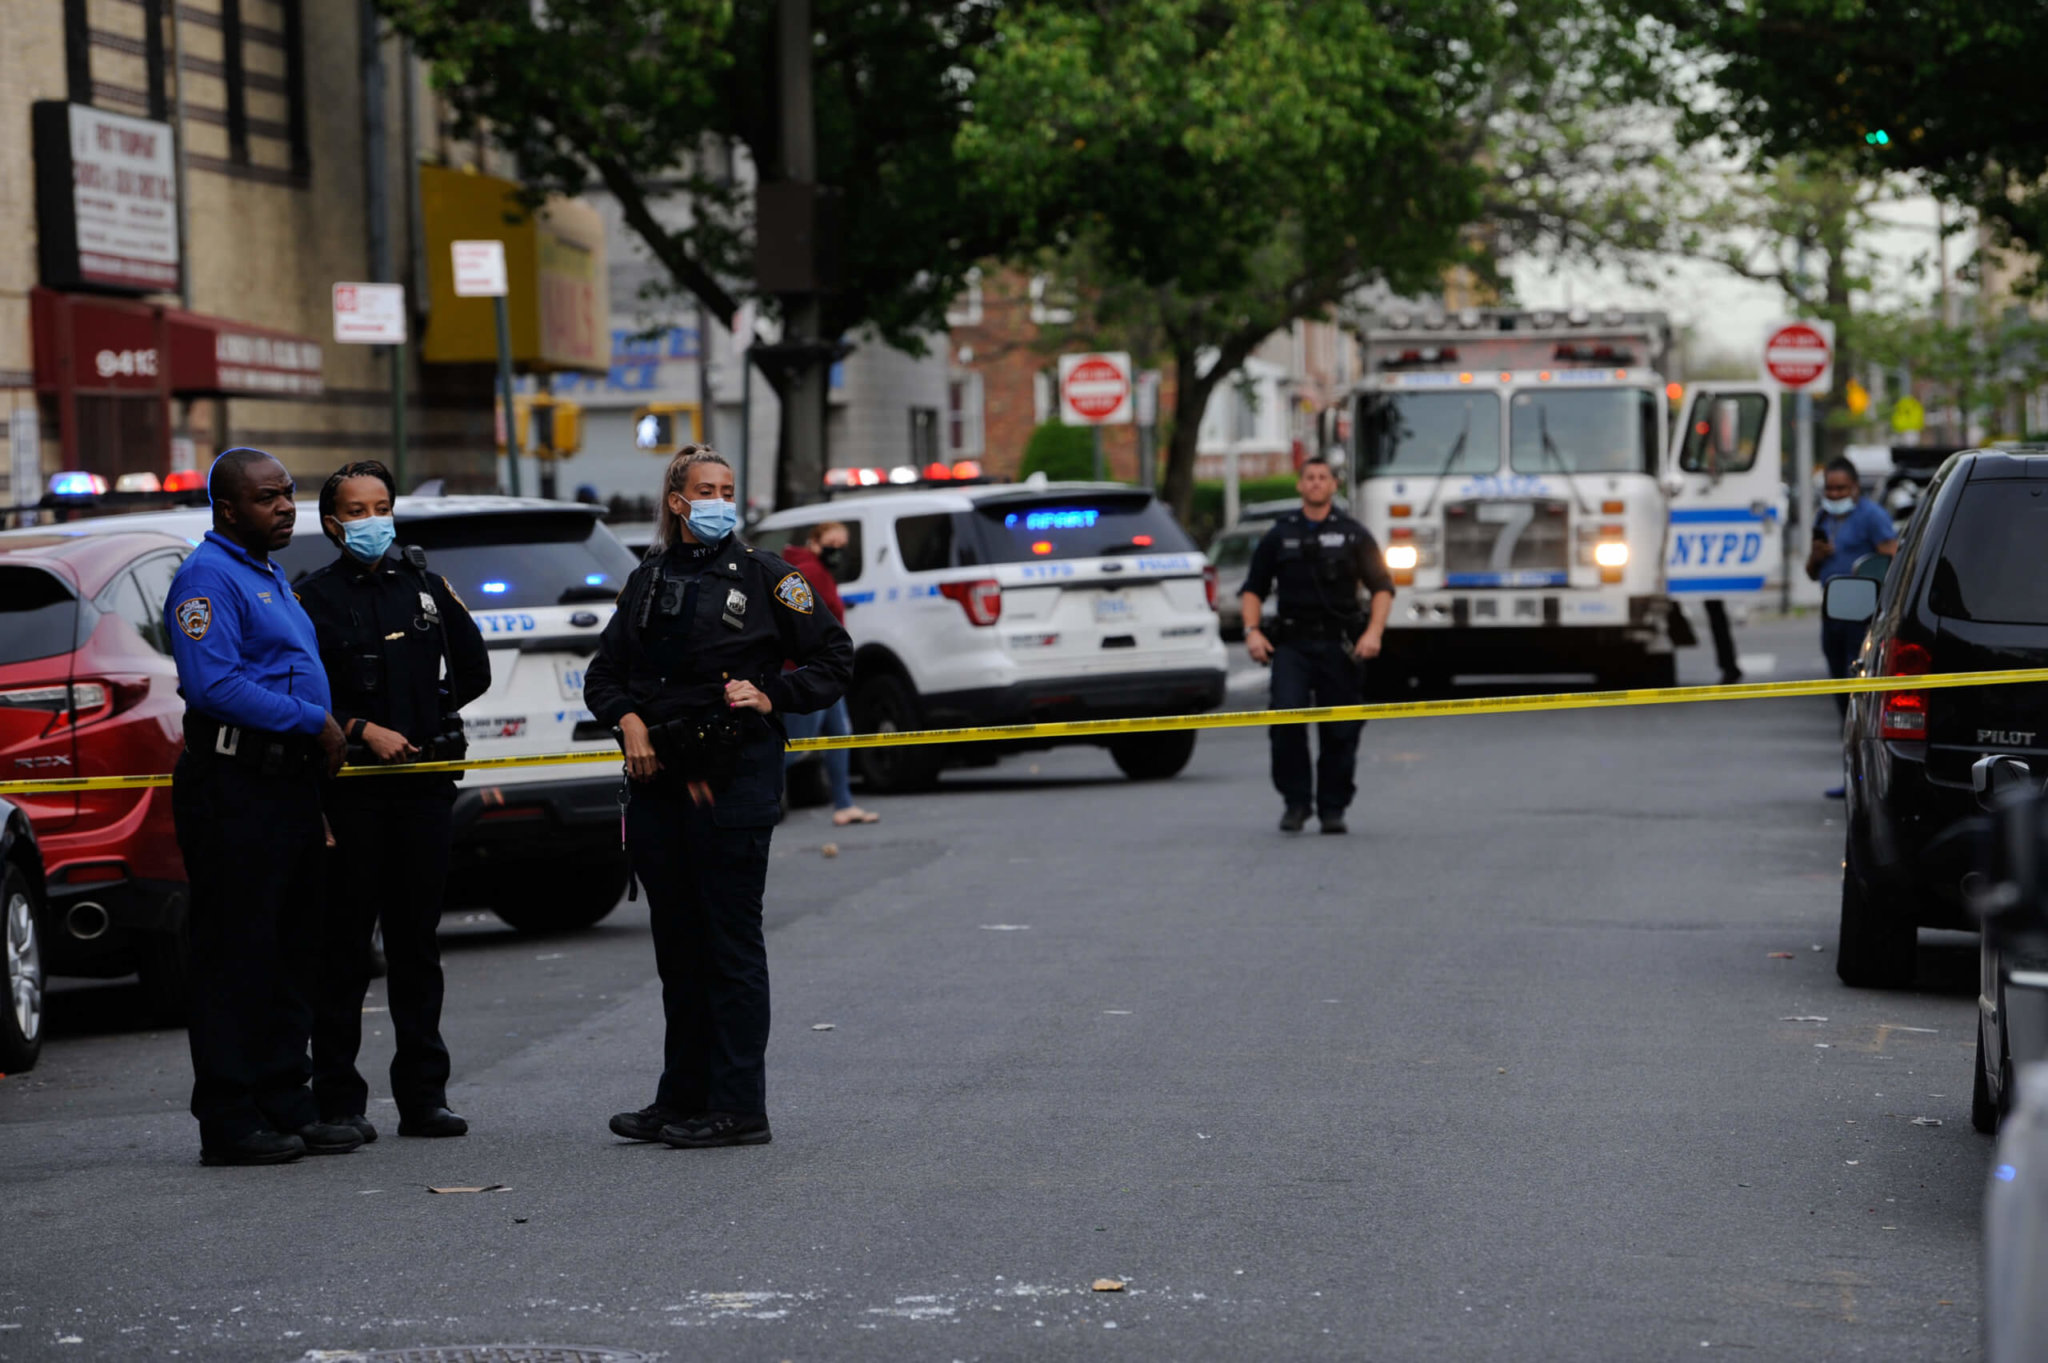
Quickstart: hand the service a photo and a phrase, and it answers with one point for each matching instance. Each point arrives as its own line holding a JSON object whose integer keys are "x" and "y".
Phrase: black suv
{"x": 1966, "y": 593}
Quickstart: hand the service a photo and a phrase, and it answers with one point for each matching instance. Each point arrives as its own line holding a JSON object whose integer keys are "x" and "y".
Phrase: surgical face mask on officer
{"x": 369, "y": 537}
{"x": 711, "y": 521}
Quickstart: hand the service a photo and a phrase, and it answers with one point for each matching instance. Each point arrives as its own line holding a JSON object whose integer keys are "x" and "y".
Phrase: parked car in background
{"x": 88, "y": 688}
{"x": 1018, "y": 603}
{"x": 1230, "y": 558}
{"x": 1966, "y": 593}
{"x": 538, "y": 845}
{"x": 26, "y": 912}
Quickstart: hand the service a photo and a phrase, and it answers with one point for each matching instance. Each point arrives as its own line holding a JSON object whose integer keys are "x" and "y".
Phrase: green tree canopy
{"x": 1207, "y": 171}
{"x": 1954, "y": 88}
{"x": 646, "y": 98}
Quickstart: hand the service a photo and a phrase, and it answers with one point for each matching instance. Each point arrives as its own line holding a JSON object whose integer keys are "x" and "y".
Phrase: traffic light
{"x": 557, "y": 426}
{"x": 659, "y": 427}
{"x": 1880, "y": 138}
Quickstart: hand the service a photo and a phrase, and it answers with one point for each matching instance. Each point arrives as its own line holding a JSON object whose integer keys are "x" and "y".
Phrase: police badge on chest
{"x": 735, "y": 615}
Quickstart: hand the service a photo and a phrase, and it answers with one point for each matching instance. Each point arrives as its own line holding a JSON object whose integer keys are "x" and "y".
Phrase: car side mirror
{"x": 1852, "y": 600}
{"x": 1727, "y": 433}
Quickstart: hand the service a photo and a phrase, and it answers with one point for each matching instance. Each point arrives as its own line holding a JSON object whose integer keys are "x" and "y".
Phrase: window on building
{"x": 246, "y": 110}
{"x": 924, "y": 436}
{"x": 963, "y": 416}
{"x": 966, "y": 309}
{"x": 1053, "y": 302}
{"x": 1244, "y": 412}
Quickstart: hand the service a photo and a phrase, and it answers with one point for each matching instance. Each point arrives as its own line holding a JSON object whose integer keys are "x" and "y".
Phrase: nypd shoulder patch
{"x": 795, "y": 593}
{"x": 194, "y": 616}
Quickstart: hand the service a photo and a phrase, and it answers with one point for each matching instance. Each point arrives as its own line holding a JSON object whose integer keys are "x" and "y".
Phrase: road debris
{"x": 1006, "y": 927}
{"x": 1779, "y": 955}
{"x": 823, "y": 1026}
{"x": 1107, "y": 1285}
{"x": 486, "y": 1188}
{"x": 1804, "y": 1017}
{"x": 830, "y": 849}
{"x": 1926, "y": 1121}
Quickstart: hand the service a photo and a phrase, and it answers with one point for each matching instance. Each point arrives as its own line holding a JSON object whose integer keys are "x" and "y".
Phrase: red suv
{"x": 88, "y": 688}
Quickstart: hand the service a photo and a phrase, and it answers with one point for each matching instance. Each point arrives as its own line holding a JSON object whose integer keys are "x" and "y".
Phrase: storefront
{"x": 110, "y": 369}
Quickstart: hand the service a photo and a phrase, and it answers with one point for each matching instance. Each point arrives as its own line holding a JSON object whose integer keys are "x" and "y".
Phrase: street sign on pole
{"x": 480, "y": 273}
{"x": 369, "y": 314}
{"x": 1908, "y": 415}
{"x": 1095, "y": 389}
{"x": 1801, "y": 355}
{"x": 479, "y": 269}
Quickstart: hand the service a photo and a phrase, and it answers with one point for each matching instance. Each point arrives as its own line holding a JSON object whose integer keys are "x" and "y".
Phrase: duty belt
{"x": 1289, "y": 629}
{"x": 266, "y": 754}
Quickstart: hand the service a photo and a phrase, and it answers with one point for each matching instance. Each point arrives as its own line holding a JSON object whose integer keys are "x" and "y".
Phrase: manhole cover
{"x": 480, "y": 1353}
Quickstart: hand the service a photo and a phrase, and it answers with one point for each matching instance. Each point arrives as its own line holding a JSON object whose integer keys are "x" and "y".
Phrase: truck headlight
{"x": 1611, "y": 554}
{"x": 1402, "y": 558}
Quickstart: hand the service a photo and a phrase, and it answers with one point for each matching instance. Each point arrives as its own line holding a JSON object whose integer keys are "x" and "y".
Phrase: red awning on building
{"x": 92, "y": 346}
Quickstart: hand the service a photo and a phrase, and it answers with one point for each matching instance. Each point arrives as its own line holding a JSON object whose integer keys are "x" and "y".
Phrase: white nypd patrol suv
{"x": 1018, "y": 603}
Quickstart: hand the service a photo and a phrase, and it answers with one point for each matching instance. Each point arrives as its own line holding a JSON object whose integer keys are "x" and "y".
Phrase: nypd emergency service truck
{"x": 1537, "y": 511}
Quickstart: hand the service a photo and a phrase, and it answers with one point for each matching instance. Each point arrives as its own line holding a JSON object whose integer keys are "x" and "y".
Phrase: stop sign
{"x": 1095, "y": 390}
{"x": 1796, "y": 354}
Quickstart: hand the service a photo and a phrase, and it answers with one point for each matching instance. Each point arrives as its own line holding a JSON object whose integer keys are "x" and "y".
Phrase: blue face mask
{"x": 369, "y": 537}
{"x": 711, "y": 521}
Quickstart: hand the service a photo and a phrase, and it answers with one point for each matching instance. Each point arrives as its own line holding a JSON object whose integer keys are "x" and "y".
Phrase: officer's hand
{"x": 700, "y": 793}
{"x": 1258, "y": 645}
{"x": 333, "y": 745}
{"x": 326, "y": 830}
{"x": 388, "y": 745}
{"x": 641, "y": 763}
{"x": 1368, "y": 646}
{"x": 744, "y": 695}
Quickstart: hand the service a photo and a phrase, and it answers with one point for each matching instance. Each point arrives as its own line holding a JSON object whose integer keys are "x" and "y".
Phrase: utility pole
{"x": 1802, "y": 460}
{"x": 793, "y": 229}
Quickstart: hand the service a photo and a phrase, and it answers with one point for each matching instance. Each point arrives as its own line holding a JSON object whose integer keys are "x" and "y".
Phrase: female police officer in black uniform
{"x": 690, "y": 675}
{"x": 385, "y": 626}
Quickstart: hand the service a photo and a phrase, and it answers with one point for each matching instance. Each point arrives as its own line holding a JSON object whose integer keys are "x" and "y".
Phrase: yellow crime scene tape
{"x": 1230, "y": 719}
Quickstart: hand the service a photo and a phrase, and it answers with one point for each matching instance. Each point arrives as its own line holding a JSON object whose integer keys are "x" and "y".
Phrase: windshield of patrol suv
{"x": 1428, "y": 433}
{"x": 1090, "y": 525}
{"x": 502, "y": 561}
{"x": 1990, "y": 569}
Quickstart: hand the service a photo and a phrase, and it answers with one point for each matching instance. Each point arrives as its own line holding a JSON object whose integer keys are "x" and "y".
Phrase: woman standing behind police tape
{"x": 689, "y": 675}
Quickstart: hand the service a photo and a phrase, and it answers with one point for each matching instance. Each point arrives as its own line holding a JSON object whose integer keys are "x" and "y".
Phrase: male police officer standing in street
{"x": 246, "y": 798}
{"x": 385, "y": 626}
{"x": 1319, "y": 642}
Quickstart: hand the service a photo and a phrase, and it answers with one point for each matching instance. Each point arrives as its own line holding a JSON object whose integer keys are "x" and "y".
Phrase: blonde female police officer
{"x": 689, "y": 673}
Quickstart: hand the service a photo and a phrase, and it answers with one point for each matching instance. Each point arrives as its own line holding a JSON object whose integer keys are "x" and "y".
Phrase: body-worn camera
{"x": 449, "y": 744}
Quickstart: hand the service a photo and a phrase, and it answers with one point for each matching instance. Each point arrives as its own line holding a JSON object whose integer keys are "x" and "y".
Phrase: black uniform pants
{"x": 1840, "y": 642}
{"x": 390, "y": 861}
{"x": 1310, "y": 672}
{"x": 1724, "y": 638}
{"x": 252, "y": 846}
{"x": 704, "y": 885}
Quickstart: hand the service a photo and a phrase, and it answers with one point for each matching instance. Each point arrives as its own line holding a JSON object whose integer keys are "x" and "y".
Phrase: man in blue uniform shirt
{"x": 1848, "y": 528}
{"x": 246, "y": 798}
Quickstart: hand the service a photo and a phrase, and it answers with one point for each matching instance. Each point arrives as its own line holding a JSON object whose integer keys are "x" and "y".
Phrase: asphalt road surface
{"x": 1516, "y": 1070}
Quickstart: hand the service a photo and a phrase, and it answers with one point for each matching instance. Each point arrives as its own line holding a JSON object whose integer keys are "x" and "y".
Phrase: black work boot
{"x": 329, "y": 1138}
{"x": 718, "y": 1128}
{"x": 258, "y": 1147}
{"x": 431, "y": 1121}
{"x": 646, "y": 1124}
{"x": 1332, "y": 823}
{"x": 358, "y": 1121}
{"x": 1295, "y": 819}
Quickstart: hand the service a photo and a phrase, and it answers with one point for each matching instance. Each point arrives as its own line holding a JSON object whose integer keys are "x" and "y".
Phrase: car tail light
{"x": 185, "y": 480}
{"x": 1209, "y": 583}
{"x": 1903, "y": 717}
{"x": 982, "y": 599}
